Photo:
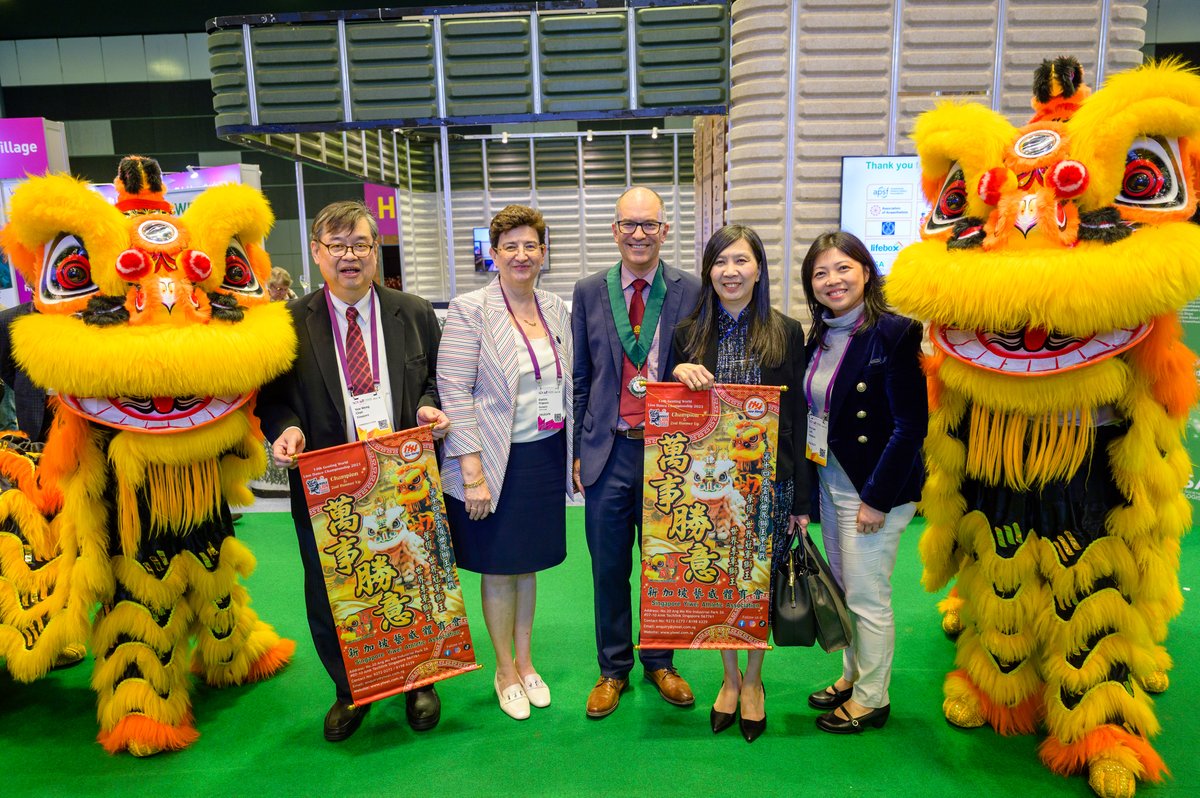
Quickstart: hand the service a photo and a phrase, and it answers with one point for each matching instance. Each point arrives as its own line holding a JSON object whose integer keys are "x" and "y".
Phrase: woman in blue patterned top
{"x": 734, "y": 336}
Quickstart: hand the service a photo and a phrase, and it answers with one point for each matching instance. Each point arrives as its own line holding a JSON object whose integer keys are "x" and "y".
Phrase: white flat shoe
{"x": 537, "y": 691}
{"x": 513, "y": 701}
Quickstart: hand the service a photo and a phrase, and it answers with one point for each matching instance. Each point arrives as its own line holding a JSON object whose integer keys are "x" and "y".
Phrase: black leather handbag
{"x": 792, "y": 620}
{"x": 808, "y": 604}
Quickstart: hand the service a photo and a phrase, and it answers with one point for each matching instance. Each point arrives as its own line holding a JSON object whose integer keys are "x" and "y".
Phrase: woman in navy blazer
{"x": 868, "y": 413}
{"x": 735, "y": 336}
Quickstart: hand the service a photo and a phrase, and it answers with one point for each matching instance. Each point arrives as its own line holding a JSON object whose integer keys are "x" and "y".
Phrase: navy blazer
{"x": 598, "y": 358}
{"x": 879, "y": 412}
{"x": 793, "y": 409}
{"x": 32, "y": 416}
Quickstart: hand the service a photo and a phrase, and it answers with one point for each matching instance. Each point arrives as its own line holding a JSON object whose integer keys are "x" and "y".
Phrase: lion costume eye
{"x": 67, "y": 271}
{"x": 238, "y": 274}
{"x": 951, "y": 202}
{"x": 1152, "y": 176}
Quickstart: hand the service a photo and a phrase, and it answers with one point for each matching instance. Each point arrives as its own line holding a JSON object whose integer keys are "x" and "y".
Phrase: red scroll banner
{"x": 377, "y": 515}
{"x": 706, "y": 537}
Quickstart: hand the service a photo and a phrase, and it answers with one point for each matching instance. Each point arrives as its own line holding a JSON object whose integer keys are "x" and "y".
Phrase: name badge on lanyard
{"x": 370, "y": 415}
{"x": 816, "y": 447}
{"x": 550, "y": 405}
{"x": 369, "y": 410}
{"x": 551, "y": 415}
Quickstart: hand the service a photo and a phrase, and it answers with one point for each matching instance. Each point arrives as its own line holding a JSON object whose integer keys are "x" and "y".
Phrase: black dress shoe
{"x": 423, "y": 708}
{"x": 342, "y": 720}
{"x": 720, "y": 721}
{"x": 839, "y": 722}
{"x": 823, "y": 699}
{"x": 753, "y": 729}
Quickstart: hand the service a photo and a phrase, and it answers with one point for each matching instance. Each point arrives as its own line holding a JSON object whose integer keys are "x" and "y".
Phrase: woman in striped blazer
{"x": 504, "y": 377}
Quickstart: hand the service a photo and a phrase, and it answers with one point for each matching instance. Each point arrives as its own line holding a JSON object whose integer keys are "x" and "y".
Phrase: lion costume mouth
{"x": 1033, "y": 351}
{"x": 160, "y": 414}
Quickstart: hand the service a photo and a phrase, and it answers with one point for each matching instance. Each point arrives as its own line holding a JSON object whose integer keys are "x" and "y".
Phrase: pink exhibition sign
{"x": 382, "y": 202}
{"x": 23, "y": 147}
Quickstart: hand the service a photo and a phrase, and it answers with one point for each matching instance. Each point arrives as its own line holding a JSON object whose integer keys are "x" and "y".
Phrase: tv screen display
{"x": 483, "y": 253}
{"x": 482, "y": 238}
{"x": 882, "y": 203}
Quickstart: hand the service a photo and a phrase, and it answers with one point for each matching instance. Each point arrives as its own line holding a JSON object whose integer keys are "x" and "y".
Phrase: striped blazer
{"x": 478, "y": 367}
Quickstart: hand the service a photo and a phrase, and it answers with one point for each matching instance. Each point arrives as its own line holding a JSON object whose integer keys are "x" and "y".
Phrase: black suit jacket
{"x": 879, "y": 413}
{"x": 793, "y": 409}
{"x": 32, "y": 418}
{"x": 309, "y": 396}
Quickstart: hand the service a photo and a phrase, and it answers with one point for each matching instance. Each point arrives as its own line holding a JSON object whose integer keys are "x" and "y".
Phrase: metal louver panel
{"x": 297, "y": 75}
{"x": 392, "y": 73}
{"x": 584, "y": 62}
{"x": 682, "y": 55}
{"x": 488, "y": 66}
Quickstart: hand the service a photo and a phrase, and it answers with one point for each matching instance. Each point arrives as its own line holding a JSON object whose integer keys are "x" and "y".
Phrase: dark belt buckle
{"x": 633, "y": 433}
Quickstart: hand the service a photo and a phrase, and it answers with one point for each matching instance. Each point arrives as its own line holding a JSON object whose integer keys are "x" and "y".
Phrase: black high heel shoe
{"x": 720, "y": 721}
{"x": 753, "y": 729}
{"x": 823, "y": 699}
{"x": 834, "y": 724}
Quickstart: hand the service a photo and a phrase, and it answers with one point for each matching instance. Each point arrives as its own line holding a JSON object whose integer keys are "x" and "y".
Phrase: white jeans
{"x": 863, "y": 566}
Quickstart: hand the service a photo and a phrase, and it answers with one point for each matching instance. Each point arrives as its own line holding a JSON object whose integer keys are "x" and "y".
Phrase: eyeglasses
{"x": 360, "y": 250}
{"x": 628, "y": 227}
{"x": 511, "y": 250}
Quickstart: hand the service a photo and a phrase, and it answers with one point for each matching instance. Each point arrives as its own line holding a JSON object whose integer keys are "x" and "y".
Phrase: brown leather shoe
{"x": 671, "y": 686}
{"x": 605, "y": 696}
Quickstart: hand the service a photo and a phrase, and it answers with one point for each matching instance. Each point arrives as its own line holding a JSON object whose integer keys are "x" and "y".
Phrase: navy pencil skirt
{"x": 528, "y": 530}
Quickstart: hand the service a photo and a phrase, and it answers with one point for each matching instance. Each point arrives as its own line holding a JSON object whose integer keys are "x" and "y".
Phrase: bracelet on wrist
{"x": 475, "y": 483}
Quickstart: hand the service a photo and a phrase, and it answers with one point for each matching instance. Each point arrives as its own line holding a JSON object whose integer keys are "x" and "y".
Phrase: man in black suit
{"x": 308, "y": 408}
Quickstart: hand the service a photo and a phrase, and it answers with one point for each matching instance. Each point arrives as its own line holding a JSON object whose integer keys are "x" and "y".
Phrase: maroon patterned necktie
{"x": 358, "y": 369}
{"x": 633, "y": 409}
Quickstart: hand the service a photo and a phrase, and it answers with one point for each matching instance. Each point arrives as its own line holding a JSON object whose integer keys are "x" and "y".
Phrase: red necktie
{"x": 358, "y": 369}
{"x": 633, "y": 409}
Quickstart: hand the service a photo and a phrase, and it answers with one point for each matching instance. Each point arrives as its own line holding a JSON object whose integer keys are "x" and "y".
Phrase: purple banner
{"x": 382, "y": 202}
{"x": 23, "y": 147}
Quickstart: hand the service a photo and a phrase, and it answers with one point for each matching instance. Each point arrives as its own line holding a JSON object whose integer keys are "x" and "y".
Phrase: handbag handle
{"x": 790, "y": 546}
{"x": 791, "y": 583}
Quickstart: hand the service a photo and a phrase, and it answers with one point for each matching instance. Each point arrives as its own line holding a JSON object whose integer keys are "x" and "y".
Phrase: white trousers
{"x": 863, "y": 566}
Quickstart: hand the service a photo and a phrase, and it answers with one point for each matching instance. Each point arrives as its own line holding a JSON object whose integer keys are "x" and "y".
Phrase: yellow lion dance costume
{"x": 1050, "y": 270}
{"x": 154, "y": 332}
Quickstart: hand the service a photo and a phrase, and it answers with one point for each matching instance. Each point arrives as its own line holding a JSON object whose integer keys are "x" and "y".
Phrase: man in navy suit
{"x": 622, "y": 320}
{"x": 307, "y": 408}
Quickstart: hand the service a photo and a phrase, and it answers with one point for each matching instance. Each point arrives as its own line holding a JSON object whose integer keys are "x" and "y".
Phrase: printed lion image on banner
{"x": 706, "y": 542}
{"x": 380, "y": 524}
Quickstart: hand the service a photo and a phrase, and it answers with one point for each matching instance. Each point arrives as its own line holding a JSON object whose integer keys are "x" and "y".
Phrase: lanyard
{"x": 537, "y": 371}
{"x": 339, "y": 339}
{"x": 812, "y": 372}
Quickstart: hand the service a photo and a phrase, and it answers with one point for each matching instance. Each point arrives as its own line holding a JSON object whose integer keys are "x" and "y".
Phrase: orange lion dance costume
{"x": 154, "y": 331}
{"x": 1051, "y": 269}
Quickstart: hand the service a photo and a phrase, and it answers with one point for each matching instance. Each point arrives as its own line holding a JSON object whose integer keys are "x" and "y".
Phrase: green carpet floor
{"x": 266, "y": 739}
